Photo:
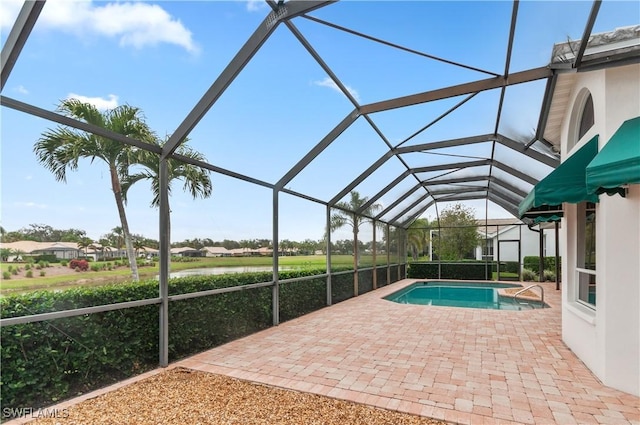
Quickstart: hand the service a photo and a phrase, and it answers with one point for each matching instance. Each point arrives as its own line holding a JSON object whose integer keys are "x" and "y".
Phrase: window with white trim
{"x": 586, "y": 254}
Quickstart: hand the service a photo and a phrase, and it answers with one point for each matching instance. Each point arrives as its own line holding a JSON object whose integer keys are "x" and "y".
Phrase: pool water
{"x": 461, "y": 294}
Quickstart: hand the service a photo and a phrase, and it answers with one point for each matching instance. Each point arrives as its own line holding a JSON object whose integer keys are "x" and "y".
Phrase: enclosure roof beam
{"x": 434, "y": 182}
{"x": 522, "y": 176}
{"x": 386, "y": 189}
{"x": 458, "y": 165}
{"x": 17, "y": 37}
{"x": 509, "y": 207}
{"x": 317, "y": 149}
{"x": 410, "y": 207}
{"x": 80, "y": 125}
{"x": 405, "y": 224}
{"x": 398, "y": 201}
{"x": 507, "y": 186}
{"x": 247, "y": 51}
{"x": 457, "y": 90}
{"x": 451, "y": 166}
{"x": 533, "y": 154}
{"x": 587, "y": 33}
{"x": 549, "y": 91}
{"x": 446, "y": 143}
{"x": 361, "y": 177}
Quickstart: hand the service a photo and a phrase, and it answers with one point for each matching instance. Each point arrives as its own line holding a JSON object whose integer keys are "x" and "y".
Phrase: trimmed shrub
{"x": 42, "y": 272}
{"x": 29, "y": 273}
{"x": 49, "y": 258}
{"x": 95, "y": 267}
{"x": 45, "y": 362}
{"x": 549, "y": 275}
{"x": 529, "y": 275}
{"x": 532, "y": 262}
{"x": 470, "y": 270}
{"x": 79, "y": 265}
{"x": 26, "y": 266}
{"x": 6, "y": 275}
{"x": 64, "y": 263}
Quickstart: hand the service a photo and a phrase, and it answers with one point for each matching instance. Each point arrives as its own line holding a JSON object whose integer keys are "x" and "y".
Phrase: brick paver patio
{"x": 455, "y": 364}
{"x": 460, "y": 365}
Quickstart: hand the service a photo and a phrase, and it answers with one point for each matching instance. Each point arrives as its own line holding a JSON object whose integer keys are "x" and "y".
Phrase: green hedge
{"x": 470, "y": 270}
{"x": 45, "y": 362}
{"x": 533, "y": 263}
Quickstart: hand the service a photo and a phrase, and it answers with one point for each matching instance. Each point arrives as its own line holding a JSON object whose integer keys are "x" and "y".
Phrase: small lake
{"x": 224, "y": 270}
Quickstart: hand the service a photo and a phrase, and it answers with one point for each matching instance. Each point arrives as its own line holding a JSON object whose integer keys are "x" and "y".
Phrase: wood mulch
{"x": 185, "y": 396}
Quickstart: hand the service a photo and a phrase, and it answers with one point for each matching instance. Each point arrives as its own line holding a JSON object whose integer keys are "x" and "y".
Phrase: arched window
{"x": 586, "y": 118}
{"x": 582, "y": 118}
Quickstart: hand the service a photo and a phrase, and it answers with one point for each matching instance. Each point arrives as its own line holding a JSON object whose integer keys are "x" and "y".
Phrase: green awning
{"x": 567, "y": 183}
{"x": 618, "y": 163}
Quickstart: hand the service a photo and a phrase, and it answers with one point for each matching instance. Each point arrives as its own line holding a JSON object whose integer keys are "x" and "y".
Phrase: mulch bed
{"x": 185, "y": 396}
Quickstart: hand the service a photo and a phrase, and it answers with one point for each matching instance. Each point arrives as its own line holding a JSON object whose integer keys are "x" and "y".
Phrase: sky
{"x": 162, "y": 56}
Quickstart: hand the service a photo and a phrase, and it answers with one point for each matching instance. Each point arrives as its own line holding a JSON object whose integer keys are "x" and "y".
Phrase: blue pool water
{"x": 461, "y": 294}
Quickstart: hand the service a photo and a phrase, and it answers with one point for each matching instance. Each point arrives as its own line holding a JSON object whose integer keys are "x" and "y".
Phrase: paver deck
{"x": 461, "y": 365}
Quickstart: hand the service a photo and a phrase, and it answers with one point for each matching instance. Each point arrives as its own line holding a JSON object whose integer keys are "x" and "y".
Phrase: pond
{"x": 225, "y": 270}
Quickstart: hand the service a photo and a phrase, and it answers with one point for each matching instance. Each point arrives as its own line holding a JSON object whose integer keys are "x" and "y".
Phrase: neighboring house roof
{"x": 149, "y": 249}
{"x": 32, "y": 246}
{"x": 183, "y": 249}
{"x": 216, "y": 250}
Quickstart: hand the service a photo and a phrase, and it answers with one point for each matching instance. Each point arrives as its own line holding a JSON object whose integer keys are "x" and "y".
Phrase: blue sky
{"x": 162, "y": 56}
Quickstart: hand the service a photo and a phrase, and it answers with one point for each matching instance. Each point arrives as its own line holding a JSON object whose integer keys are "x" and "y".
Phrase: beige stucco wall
{"x": 607, "y": 339}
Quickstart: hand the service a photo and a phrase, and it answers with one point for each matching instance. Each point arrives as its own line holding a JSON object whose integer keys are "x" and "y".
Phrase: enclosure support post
{"x": 328, "y": 227}
{"x": 165, "y": 246}
{"x": 557, "y": 258}
{"x": 375, "y": 274}
{"x": 541, "y": 255}
{"x": 388, "y": 254}
{"x": 275, "y": 290}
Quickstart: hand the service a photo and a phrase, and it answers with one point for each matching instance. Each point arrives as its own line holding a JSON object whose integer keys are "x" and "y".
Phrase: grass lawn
{"x": 57, "y": 276}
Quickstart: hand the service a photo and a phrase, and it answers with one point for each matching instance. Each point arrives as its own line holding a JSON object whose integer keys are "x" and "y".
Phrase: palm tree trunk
{"x": 117, "y": 192}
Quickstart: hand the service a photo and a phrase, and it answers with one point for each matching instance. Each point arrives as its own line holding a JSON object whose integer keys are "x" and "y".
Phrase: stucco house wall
{"x": 607, "y": 337}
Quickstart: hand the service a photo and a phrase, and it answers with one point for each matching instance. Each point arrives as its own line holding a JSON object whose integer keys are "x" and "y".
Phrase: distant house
{"x": 513, "y": 239}
{"x": 62, "y": 250}
{"x": 216, "y": 251}
{"x": 186, "y": 251}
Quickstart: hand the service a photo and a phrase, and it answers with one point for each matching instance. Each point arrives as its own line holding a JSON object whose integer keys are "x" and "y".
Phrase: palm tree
{"x": 60, "y": 149}
{"x": 346, "y": 216}
{"x": 85, "y": 243}
{"x": 418, "y": 237}
{"x": 196, "y": 180}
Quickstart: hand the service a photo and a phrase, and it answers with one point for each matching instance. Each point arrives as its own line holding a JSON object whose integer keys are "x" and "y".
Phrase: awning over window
{"x": 618, "y": 163}
{"x": 567, "y": 183}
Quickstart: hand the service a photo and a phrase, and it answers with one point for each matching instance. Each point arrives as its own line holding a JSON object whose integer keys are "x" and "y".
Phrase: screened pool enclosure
{"x": 298, "y": 105}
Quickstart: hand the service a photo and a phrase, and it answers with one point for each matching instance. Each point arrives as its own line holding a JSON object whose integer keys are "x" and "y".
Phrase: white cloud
{"x": 135, "y": 24}
{"x": 99, "y": 102}
{"x": 29, "y": 177}
{"x": 32, "y": 205}
{"x": 21, "y": 89}
{"x": 256, "y": 5}
{"x": 328, "y": 82}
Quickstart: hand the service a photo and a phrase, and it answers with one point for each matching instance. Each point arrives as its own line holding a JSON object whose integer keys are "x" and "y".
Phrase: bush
{"x": 53, "y": 360}
{"x": 15, "y": 271}
{"x": 10, "y": 268}
{"x": 26, "y": 266}
{"x": 529, "y": 275}
{"x": 49, "y": 258}
{"x": 549, "y": 276}
{"x": 468, "y": 270}
{"x": 42, "y": 272}
{"x": 6, "y": 275}
{"x": 29, "y": 274}
{"x": 95, "y": 267}
{"x": 532, "y": 262}
{"x": 79, "y": 265}
{"x": 64, "y": 263}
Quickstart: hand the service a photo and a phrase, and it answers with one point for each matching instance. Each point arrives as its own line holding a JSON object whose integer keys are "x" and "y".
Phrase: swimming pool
{"x": 462, "y": 294}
